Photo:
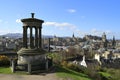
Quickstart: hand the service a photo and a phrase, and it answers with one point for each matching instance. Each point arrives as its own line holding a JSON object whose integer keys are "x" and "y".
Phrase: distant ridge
{"x": 20, "y": 35}
{"x": 12, "y": 35}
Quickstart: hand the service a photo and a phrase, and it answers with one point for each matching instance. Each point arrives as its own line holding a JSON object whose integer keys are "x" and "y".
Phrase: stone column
{"x": 23, "y": 36}
{"x": 40, "y": 37}
{"x": 49, "y": 45}
{"x": 36, "y": 37}
{"x": 31, "y": 45}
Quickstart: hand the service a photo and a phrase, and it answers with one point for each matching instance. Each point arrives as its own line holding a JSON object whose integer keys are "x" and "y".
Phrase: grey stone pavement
{"x": 49, "y": 76}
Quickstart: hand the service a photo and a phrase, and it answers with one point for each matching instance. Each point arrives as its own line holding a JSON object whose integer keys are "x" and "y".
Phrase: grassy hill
{"x": 68, "y": 74}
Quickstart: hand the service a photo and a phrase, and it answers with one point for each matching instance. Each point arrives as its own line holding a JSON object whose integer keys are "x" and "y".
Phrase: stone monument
{"x": 31, "y": 53}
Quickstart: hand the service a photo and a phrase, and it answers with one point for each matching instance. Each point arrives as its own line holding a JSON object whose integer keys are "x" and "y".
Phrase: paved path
{"x": 49, "y": 76}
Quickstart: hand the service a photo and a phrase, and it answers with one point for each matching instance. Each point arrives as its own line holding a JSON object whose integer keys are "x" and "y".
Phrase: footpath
{"x": 49, "y": 76}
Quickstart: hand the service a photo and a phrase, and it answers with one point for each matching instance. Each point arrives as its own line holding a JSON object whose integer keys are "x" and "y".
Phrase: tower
{"x": 32, "y": 53}
{"x": 104, "y": 40}
{"x": 73, "y": 36}
{"x": 104, "y": 37}
{"x": 113, "y": 42}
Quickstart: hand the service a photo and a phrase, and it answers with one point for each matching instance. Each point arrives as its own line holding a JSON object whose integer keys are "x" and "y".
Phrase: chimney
{"x": 32, "y": 15}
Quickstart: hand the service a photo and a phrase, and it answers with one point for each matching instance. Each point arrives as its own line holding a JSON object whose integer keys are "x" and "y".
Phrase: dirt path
{"x": 50, "y": 76}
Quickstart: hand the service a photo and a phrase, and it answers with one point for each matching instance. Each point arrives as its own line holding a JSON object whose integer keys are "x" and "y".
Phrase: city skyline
{"x": 64, "y": 17}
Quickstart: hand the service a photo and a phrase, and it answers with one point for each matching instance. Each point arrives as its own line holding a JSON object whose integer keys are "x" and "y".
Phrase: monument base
{"x": 32, "y": 56}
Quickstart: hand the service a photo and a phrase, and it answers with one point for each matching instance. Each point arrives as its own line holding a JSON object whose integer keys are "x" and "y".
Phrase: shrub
{"x": 103, "y": 69}
{"x": 91, "y": 73}
{"x": 72, "y": 66}
{"x": 4, "y": 61}
{"x": 56, "y": 57}
{"x": 64, "y": 63}
{"x": 114, "y": 73}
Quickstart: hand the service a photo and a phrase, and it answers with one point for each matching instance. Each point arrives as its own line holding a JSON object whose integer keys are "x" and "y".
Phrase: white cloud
{"x": 5, "y": 31}
{"x": 71, "y": 10}
{"x": 66, "y": 26}
{"x": 97, "y": 32}
{"x": 18, "y": 21}
{"x": 80, "y": 33}
{"x": 108, "y": 32}
{"x": 56, "y": 24}
{"x": 72, "y": 28}
{"x": 61, "y": 26}
{"x": 2, "y": 32}
{"x": 0, "y": 20}
{"x": 3, "y": 22}
{"x": 94, "y": 30}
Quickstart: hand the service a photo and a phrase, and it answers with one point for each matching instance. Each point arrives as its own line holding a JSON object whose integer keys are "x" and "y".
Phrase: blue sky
{"x": 63, "y": 17}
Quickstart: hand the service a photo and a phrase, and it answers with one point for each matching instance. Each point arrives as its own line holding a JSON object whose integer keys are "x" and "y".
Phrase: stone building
{"x": 104, "y": 41}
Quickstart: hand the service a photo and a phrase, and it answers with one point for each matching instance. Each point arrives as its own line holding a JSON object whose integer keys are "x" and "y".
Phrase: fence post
{"x": 46, "y": 64}
{"x": 13, "y": 66}
{"x": 29, "y": 68}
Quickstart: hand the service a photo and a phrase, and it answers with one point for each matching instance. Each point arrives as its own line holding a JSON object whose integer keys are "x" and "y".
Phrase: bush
{"x": 73, "y": 67}
{"x": 88, "y": 71}
{"x": 64, "y": 63}
{"x": 91, "y": 73}
{"x": 4, "y": 61}
{"x": 70, "y": 65}
{"x": 56, "y": 57}
{"x": 114, "y": 73}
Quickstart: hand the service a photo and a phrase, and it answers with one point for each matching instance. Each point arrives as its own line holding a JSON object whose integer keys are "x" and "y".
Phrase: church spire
{"x": 113, "y": 42}
{"x": 113, "y": 38}
{"x": 73, "y": 35}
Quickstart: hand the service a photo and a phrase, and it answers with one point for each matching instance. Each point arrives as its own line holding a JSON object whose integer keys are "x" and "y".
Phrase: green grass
{"x": 5, "y": 70}
{"x": 105, "y": 74}
{"x": 70, "y": 74}
{"x": 111, "y": 74}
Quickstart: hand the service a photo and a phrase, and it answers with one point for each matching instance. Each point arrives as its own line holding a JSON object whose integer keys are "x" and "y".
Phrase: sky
{"x": 63, "y": 17}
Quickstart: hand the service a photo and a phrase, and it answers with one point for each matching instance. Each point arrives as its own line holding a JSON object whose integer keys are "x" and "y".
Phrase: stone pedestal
{"x": 30, "y": 56}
